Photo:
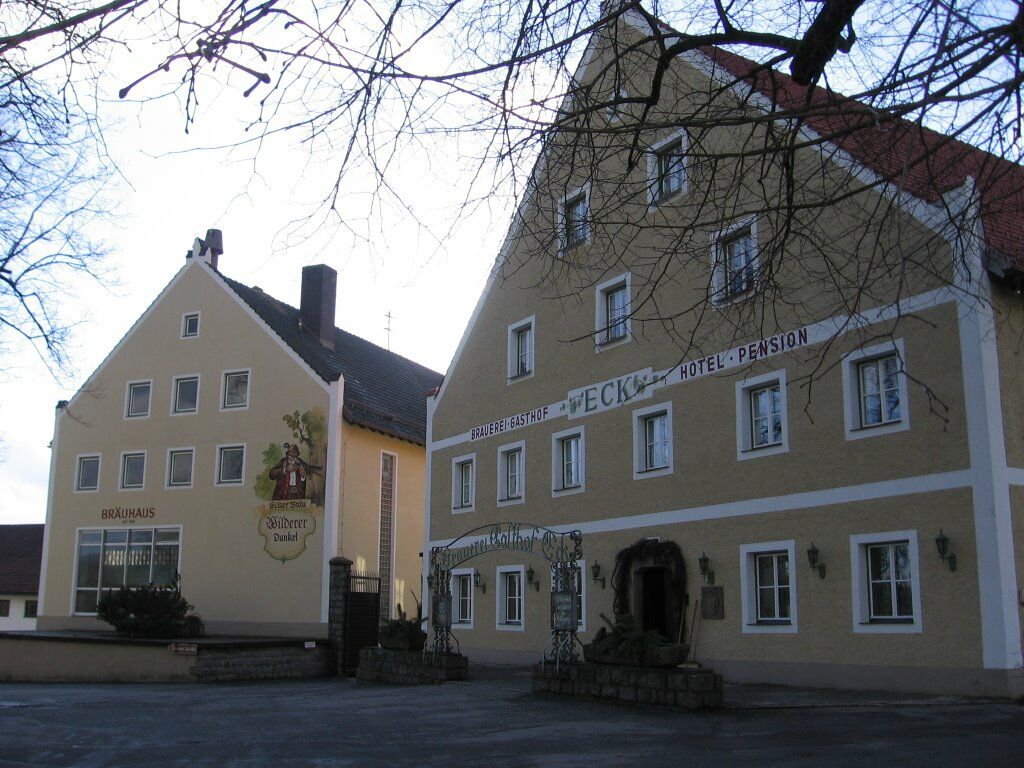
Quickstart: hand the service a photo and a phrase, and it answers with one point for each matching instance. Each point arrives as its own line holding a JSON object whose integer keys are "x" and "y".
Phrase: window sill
{"x": 603, "y": 346}
{"x": 875, "y": 430}
{"x": 464, "y": 508}
{"x": 520, "y": 377}
{"x": 510, "y": 499}
{"x": 229, "y": 483}
{"x": 721, "y": 302}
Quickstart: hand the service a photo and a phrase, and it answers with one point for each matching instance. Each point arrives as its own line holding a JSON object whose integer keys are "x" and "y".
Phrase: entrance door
{"x": 654, "y": 599}
{"x": 362, "y": 617}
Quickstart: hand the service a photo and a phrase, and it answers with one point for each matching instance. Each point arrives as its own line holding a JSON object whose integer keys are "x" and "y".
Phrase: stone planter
{"x": 412, "y": 642}
{"x": 674, "y": 688}
{"x": 665, "y": 656}
{"x": 379, "y": 665}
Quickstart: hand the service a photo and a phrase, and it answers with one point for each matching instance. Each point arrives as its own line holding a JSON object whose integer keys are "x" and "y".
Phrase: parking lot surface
{"x": 492, "y": 720}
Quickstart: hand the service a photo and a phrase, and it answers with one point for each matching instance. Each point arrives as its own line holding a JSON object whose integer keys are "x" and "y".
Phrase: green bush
{"x": 626, "y": 638}
{"x": 145, "y": 611}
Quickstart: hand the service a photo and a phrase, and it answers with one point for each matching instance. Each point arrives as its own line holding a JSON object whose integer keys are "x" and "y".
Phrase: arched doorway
{"x": 650, "y": 584}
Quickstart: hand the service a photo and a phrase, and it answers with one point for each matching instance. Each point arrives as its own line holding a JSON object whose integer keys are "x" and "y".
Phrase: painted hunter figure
{"x": 290, "y": 474}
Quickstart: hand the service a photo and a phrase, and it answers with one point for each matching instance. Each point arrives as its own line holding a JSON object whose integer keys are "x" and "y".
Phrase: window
{"x": 512, "y": 473}
{"x": 179, "y": 467}
{"x": 575, "y": 219}
{"x": 462, "y": 598}
{"x": 612, "y": 302}
{"x": 666, "y": 167}
{"x": 112, "y": 558}
{"x": 464, "y": 483}
{"x": 761, "y": 416}
{"x": 520, "y": 349}
{"x": 617, "y": 110}
{"x": 385, "y": 548}
{"x": 875, "y": 384}
{"x": 186, "y": 394}
{"x": 886, "y": 592}
{"x": 133, "y": 470}
{"x": 230, "y": 464}
{"x": 579, "y": 578}
{"x": 510, "y": 597}
{"x": 137, "y": 400}
{"x": 31, "y": 609}
{"x": 652, "y": 441}
{"x": 235, "y": 391}
{"x": 87, "y": 476}
{"x": 769, "y": 587}
{"x": 735, "y": 262}
{"x": 568, "y": 467}
{"x": 190, "y": 325}
{"x": 5, "y": 609}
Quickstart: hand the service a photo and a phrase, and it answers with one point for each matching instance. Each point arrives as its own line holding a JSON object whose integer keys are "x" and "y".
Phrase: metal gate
{"x": 362, "y": 617}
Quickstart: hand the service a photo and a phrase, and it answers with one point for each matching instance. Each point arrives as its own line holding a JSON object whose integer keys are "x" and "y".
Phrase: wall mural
{"x": 291, "y": 484}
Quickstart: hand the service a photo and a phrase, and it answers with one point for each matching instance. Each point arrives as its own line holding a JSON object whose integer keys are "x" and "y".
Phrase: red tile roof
{"x": 21, "y": 553}
{"x": 917, "y": 160}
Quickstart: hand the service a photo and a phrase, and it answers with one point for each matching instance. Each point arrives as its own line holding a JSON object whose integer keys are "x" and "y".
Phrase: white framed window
{"x": 886, "y": 585}
{"x": 617, "y": 110}
{"x": 612, "y": 306}
{"x": 464, "y": 483}
{"x": 580, "y": 582}
{"x": 762, "y": 427}
{"x": 875, "y": 388}
{"x": 234, "y": 390}
{"x": 666, "y": 167}
{"x": 769, "y": 587}
{"x": 512, "y": 473}
{"x": 652, "y": 441}
{"x": 735, "y": 262}
{"x": 230, "y": 465}
{"x": 462, "y": 597}
{"x": 510, "y": 580}
{"x": 574, "y": 218}
{"x": 107, "y": 559}
{"x": 190, "y": 325}
{"x": 180, "y": 464}
{"x": 87, "y": 472}
{"x": 520, "y": 349}
{"x": 137, "y": 399}
{"x": 185, "y": 394}
{"x": 133, "y": 471}
{"x": 568, "y": 461}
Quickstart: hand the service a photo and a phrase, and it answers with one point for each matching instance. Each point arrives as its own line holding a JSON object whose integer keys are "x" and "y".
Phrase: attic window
{"x": 190, "y": 325}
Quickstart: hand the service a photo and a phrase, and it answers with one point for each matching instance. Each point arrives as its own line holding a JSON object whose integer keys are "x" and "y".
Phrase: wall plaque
{"x": 712, "y": 603}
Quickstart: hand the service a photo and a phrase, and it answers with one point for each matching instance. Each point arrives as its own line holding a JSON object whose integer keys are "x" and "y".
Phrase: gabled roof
{"x": 21, "y": 553}
{"x": 917, "y": 160}
{"x": 383, "y": 391}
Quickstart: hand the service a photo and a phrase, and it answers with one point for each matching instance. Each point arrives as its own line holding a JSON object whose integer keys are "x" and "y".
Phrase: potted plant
{"x": 403, "y": 633}
{"x": 627, "y": 644}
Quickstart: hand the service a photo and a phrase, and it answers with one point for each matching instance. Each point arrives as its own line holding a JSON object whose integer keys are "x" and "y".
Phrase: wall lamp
{"x": 531, "y": 578}
{"x": 479, "y": 583}
{"x": 704, "y": 563}
{"x": 812, "y": 558}
{"x": 942, "y": 544}
{"x": 595, "y": 572}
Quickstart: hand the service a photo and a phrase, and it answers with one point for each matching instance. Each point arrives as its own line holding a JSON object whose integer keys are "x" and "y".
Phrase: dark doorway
{"x": 654, "y": 599}
{"x": 362, "y": 617}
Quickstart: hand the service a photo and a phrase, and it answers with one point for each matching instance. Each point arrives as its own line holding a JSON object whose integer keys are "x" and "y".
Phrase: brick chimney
{"x": 319, "y": 294}
{"x": 209, "y": 249}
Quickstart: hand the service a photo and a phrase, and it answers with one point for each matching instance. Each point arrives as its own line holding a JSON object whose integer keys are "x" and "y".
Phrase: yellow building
{"x": 242, "y": 443}
{"x": 810, "y": 478}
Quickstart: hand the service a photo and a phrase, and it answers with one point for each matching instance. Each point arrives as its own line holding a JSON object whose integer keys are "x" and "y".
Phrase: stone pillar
{"x": 337, "y": 605}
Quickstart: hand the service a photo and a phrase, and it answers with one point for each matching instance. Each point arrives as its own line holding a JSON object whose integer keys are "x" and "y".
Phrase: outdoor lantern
{"x": 703, "y": 563}
{"x": 595, "y": 572}
{"x": 812, "y": 558}
{"x": 479, "y": 583}
{"x": 942, "y": 545}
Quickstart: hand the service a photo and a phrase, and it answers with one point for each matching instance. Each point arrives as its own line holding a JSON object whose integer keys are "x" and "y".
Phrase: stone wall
{"x": 215, "y": 665}
{"x": 671, "y": 687}
{"x": 378, "y": 665}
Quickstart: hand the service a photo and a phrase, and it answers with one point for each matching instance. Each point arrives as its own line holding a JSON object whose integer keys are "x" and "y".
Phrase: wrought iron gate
{"x": 362, "y": 617}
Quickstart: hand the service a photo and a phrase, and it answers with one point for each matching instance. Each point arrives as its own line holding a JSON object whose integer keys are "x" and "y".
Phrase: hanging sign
{"x": 564, "y": 616}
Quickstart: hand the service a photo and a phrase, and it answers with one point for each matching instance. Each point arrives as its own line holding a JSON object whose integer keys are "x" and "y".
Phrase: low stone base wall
{"x": 672, "y": 687}
{"x": 378, "y": 665}
{"x": 273, "y": 663}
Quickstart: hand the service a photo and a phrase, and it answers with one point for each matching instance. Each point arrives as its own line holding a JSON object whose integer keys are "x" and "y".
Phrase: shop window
{"x": 137, "y": 399}
{"x": 179, "y": 467}
{"x": 520, "y": 349}
{"x": 133, "y": 470}
{"x": 510, "y": 597}
{"x": 568, "y": 462}
{"x": 235, "y": 390}
{"x": 735, "y": 262}
{"x": 875, "y": 386}
{"x": 512, "y": 473}
{"x": 612, "y": 316}
{"x": 886, "y": 593}
{"x": 87, "y": 474}
{"x": 464, "y": 483}
{"x": 186, "y": 394}
{"x": 190, "y": 325}
{"x": 120, "y": 557}
{"x": 652, "y": 441}
{"x": 769, "y": 587}
{"x": 230, "y": 464}
{"x": 761, "y": 416}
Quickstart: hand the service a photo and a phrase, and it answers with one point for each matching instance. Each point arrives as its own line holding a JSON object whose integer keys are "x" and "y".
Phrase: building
{"x": 21, "y": 550}
{"x": 242, "y": 443}
{"x": 865, "y": 531}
